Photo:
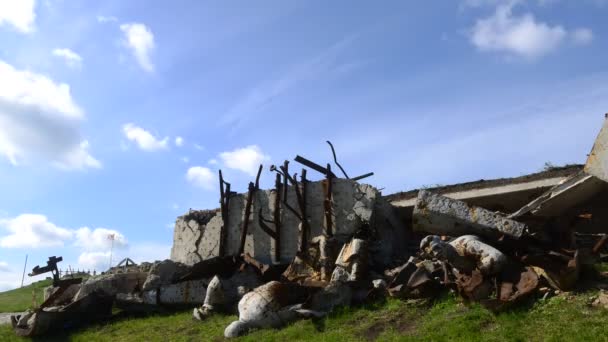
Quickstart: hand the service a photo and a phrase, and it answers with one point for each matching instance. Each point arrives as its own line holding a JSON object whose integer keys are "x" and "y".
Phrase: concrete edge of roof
{"x": 554, "y": 172}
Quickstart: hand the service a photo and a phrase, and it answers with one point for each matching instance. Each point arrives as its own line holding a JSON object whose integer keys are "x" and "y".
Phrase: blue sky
{"x": 115, "y": 117}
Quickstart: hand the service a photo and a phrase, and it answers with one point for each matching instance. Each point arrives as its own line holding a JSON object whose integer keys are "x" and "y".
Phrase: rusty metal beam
{"x": 369, "y": 174}
{"x": 313, "y": 165}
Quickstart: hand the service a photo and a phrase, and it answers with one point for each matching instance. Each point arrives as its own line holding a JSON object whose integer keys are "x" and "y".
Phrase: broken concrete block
{"x": 489, "y": 259}
{"x": 353, "y": 259}
{"x": 268, "y": 306}
{"x": 196, "y": 236}
{"x": 164, "y": 273}
{"x": 111, "y": 284}
{"x": 445, "y": 216}
{"x": 65, "y": 297}
{"x": 186, "y": 292}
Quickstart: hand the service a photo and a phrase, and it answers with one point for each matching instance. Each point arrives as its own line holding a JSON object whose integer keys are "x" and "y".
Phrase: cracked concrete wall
{"x": 197, "y": 237}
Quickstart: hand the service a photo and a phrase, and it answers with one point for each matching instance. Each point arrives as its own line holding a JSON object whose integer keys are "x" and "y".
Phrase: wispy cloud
{"x": 261, "y": 96}
{"x": 140, "y": 40}
{"x": 106, "y": 19}
{"x": 71, "y": 58}
{"x": 4, "y": 267}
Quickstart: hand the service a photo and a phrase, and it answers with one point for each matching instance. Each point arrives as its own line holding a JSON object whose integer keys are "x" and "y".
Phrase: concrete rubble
{"x": 305, "y": 247}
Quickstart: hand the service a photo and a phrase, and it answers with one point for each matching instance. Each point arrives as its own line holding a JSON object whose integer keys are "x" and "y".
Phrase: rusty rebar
{"x": 257, "y": 178}
{"x": 277, "y": 219}
{"x": 224, "y": 202}
{"x": 333, "y": 151}
{"x": 328, "y": 203}
{"x": 305, "y": 223}
{"x": 247, "y": 215}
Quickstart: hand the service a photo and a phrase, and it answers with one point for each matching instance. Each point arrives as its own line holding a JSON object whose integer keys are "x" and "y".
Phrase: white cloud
{"x": 186, "y": 159}
{"x": 40, "y": 121}
{"x": 149, "y": 251}
{"x": 106, "y": 19}
{"x": 179, "y": 141}
{"x": 199, "y": 147}
{"x": 140, "y": 40}
{"x": 18, "y": 13}
{"x": 582, "y": 36}
{"x": 212, "y": 162}
{"x": 4, "y": 267}
{"x": 8, "y": 285}
{"x": 78, "y": 158}
{"x": 33, "y": 231}
{"x": 201, "y": 176}
{"x": 520, "y": 35}
{"x": 246, "y": 159}
{"x": 95, "y": 260}
{"x": 71, "y": 58}
{"x": 98, "y": 239}
{"x": 141, "y": 252}
{"x": 482, "y": 3}
{"x": 144, "y": 139}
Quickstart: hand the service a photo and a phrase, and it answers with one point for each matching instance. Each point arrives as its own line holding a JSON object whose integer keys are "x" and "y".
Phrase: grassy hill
{"x": 21, "y": 299}
{"x": 563, "y": 318}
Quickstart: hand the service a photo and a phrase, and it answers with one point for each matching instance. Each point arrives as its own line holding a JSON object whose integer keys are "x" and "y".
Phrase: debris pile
{"x": 305, "y": 247}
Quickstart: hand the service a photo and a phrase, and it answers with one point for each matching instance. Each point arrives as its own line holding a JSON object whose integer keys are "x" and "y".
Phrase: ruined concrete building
{"x": 304, "y": 247}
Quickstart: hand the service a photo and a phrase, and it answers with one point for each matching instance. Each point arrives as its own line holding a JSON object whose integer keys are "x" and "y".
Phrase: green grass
{"x": 567, "y": 317}
{"x": 561, "y": 318}
{"x": 21, "y": 299}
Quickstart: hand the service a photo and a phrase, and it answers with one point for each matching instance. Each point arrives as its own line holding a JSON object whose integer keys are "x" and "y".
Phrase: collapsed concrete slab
{"x": 111, "y": 284}
{"x": 445, "y": 216}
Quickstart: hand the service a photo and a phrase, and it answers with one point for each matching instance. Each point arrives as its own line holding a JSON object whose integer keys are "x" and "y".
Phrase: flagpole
{"x": 24, "y": 267}
{"x": 111, "y": 249}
